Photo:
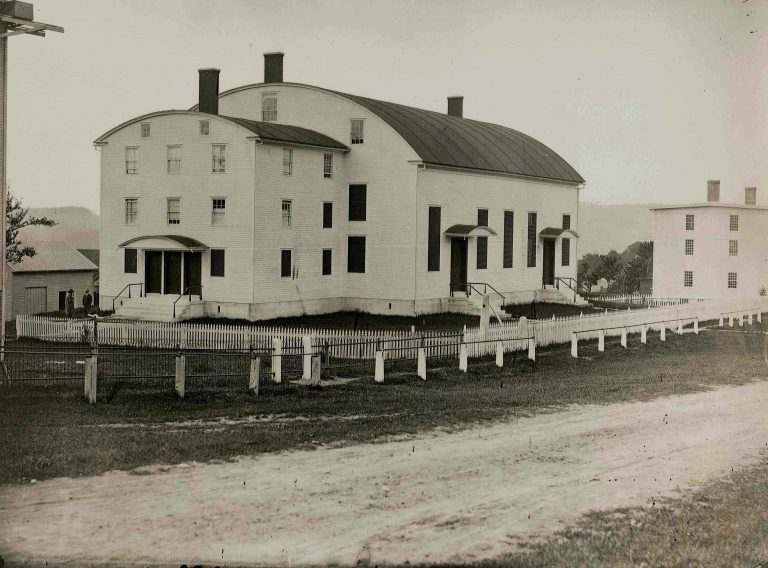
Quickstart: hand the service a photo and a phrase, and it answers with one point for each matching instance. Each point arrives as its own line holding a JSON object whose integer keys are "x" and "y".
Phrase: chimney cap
{"x": 210, "y": 69}
{"x": 274, "y": 53}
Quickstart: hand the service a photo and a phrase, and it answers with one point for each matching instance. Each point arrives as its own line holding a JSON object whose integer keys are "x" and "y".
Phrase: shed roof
{"x": 90, "y": 254}
{"x": 53, "y": 256}
{"x": 272, "y": 132}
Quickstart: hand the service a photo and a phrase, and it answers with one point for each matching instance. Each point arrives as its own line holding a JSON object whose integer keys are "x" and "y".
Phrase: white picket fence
{"x": 642, "y": 300}
{"x": 362, "y": 344}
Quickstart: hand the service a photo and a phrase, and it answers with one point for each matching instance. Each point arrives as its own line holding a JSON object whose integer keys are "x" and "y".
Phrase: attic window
{"x": 205, "y": 127}
{"x": 145, "y": 130}
{"x": 356, "y": 130}
{"x": 269, "y": 107}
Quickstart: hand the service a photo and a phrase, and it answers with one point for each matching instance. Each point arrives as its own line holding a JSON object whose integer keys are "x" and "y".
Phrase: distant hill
{"x": 606, "y": 227}
{"x": 76, "y": 226}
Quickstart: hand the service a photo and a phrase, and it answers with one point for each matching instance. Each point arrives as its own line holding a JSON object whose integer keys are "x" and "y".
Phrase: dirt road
{"x": 443, "y": 497}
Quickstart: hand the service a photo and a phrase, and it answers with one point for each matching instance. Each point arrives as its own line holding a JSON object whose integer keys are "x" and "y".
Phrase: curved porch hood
{"x": 165, "y": 242}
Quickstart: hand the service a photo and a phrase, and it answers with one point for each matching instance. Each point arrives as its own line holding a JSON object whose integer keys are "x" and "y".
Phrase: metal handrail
{"x": 128, "y": 287}
{"x": 571, "y": 283}
{"x": 187, "y": 292}
{"x": 474, "y": 286}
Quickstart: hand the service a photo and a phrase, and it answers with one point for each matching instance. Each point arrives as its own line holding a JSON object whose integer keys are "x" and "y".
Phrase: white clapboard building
{"x": 278, "y": 199}
{"x": 711, "y": 250}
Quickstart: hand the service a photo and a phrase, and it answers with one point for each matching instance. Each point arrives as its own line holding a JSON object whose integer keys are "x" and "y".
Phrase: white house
{"x": 278, "y": 199}
{"x": 710, "y": 250}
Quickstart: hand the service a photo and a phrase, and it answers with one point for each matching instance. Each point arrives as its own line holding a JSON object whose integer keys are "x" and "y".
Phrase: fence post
{"x": 379, "y": 369}
{"x": 181, "y": 373}
{"x": 87, "y": 379}
{"x": 92, "y": 390}
{"x": 730, "y": 320}
{"x": 720, "y": 323}
{"x": 421, "y": 366}
{"x": 316, "y": 370}
{"x": 741, "y": 319}
{"x": 277, "y": 359}
{"x": 601, "y": 340}
{"x": 624, "y": 337}
{"x": 499, "y": 354}
{"x": 253, "y": 383}
{"x": 749, "y": 318}
{"x": 574, "y": 345}
{"x": 307, "y": 366}
{"x": 532, "y": 349}
{"x": 463, "y": 357}
{"x": 644, "y": 334}
{"x": 679, "y": 327}
{"x": 663, "y": 332}
{"x": 696, "y": 325}
{"x": 759, "y": 315}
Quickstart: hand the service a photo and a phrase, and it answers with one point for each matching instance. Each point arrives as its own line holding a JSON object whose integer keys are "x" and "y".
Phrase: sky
{"x": 646, "y": 99}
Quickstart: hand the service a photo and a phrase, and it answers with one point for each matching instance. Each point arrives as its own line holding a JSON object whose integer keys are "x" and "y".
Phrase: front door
{"x": 549, "y": 262}
{"x": 192, "y": 269}
{"x": 458, "y": 265}
{"x": 153, "y": 271}
{"x": 172, "y": 273}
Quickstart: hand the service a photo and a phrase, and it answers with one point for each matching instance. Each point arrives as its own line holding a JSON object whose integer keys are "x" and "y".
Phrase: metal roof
{"x": 272, "y": 132}
{"x": 90, "y": 254}
{"x": 469, "y": 231}
{"x": 53, "y": 256}
{"x": 713, "y": 204}
{"x": 554, "y": 232}
{"x": 186, "y": 242}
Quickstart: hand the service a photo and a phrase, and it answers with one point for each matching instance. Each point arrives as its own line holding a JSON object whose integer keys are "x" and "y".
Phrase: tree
{"x": 610, "y": 267}
{"x": 17, "y": 218}
{"x": 638, "y": 266}
{"x": 587, "y": 270}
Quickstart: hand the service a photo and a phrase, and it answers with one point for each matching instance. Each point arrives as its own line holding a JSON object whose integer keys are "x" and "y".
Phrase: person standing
{"x": 87, "y": 302}
{"x": 70, "y": 303}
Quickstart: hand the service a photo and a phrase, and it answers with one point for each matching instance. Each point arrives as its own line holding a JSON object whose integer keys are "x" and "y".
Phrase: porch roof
{"x": 555, "y": 233}
{"x": 165, "y": 242}
{"x": 469, "y": 231}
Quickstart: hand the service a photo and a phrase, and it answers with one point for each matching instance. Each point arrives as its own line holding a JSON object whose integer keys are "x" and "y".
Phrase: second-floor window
{"x": 174, "y": 159}
{"x": 327, "y": 165}
{"x": 688, "y": 278}
{"x": 733, "y": 248}
{"x": 358, "y": 198}
{"x": 689, "y": 222}
{"x": 732, "y": 279}
{"x": 734, "y": 223}
{"x": 327, "y": 215}
{"x": 174, "y": 210}
{"x": 269, "y": 107}
{"x": 286, "y": 211}
{"x": 219, "y": 157}
{"x": 131, "y": 160}
{"x": 131, "y": 211}
{"x": 287, "y": 161}
{"x": 218, "y": 210}
{"x": 356, "y": 126}
{"x": 689, "y": 247}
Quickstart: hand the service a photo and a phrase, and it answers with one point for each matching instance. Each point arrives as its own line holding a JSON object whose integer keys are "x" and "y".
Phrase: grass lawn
{"x": 540, "y": 310}
{"x": 50, "y": 431}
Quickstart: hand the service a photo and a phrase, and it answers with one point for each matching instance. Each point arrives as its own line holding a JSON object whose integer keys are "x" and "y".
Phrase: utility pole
{"x": 16, "y": 18}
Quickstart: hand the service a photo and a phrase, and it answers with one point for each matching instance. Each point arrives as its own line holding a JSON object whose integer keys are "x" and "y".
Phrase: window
{"x": 357, "y": 202}
{"x": 566, "y": 246}
{"x": 145, "y": 130}
{"x": 356, "y": 254}
{"x": 174, "y": 210}
{"x": 689, "y": 247}
{"x": 174, "y": 159}
{"x": 131, "y": 211}
{"x": 219, "y": 157}
{"x": 286, "y": 209}
{"x": 689, "y": 222}
{"x": 531, "y": 239}
{"x": 732, "y": 280}
{"x": 269, "y": 107}
{"x": 285, "y": 263}
{"x": 733, "y": 248}
{"x": 356, "y": 130}
{"x": 509, "y": 238}
{"x": 205, "y": 127}
{"x": 482, "y": 242}
{"x": 327, "y": 215}
{"x": 287, "y": 161}
{"x": 327, "y": 165}
{"x": 566, "y": 223}
{"x": 734, "y": 224}
{"x": 688, "y": 278}
{"x": 218, "y": 210}
{"x": 131, "y": 160}
{"x": 130, "y": 261}
{"x": 433, "y": 239}
{"x": 327, "y": 255}
{"x": 217, "y": 262}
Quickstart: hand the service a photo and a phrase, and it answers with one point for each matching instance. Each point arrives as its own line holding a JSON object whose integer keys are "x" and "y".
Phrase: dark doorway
{"x": 153, "y": 271}
{"x": 549, "y": 262}
{"x": 458, "y": 265}
{"x": 192, "y": 270}
{"x": 172, "y": 273}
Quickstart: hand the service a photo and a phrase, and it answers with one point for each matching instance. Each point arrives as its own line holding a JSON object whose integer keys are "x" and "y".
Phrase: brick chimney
{"x": 713, "y": 190}
{"x": 273, "y": 67}
{"x": 208, "y": 98}
{"x": 750, "y": 196}
{"x": 456, "y": 106}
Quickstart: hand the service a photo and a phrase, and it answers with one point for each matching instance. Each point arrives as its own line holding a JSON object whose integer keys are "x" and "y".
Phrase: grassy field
{"x": 49, "y": 432}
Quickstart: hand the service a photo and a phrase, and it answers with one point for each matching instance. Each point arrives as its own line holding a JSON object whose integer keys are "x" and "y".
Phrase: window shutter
{"x": 357, "y": 202}
{"x": 509, "y": 238}
{"x": 217, "y": 262}
{"x": 356, "y": 254}
{"x": 285, "y": 263}
{"x": 433, "y": 240}
{"x": 130, "y": 261}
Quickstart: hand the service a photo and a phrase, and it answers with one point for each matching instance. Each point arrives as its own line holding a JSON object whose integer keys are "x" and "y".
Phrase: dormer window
{"x": 269, "y": 107}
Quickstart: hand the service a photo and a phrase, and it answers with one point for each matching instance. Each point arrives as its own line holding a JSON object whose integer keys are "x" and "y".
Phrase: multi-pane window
{"x": 285, "y": 263}
{"x": 174, "y": 159}
{"x": 218, "y": 210}
{"x": 327, "y": 165}
{"x": 532, "y": 217}
{"x": 327, "y": 215}
{"x": 327, "y": 265}
{"x": 356, "y": 254}
{"x": 734, "y": 223}
{"x": 566, "y": 246}
{"x": 269, "y": 107}
{"x": 688, "y": 278}
{"x": 174, "y": 210}
{"x": 509, "y": 238}
{"x": 145, "y": 130}
{"x": 286, "y": 210}
{"x": 131, "y": 211}
{"x": 132, "y": 160}
{"x": 732, "y": 280}
{"x": 130, "y": 261}
{"x": 733, "y": 248}
{"x": 689, "y": 247}
{"x": 358, "y": 196}
{"x": 217, "y": 262}
{"x": 219, "y": 157}
{"x": 287, "y": 161}
{"x": 433, "y": 239}
{"x": 482, "y": 242}
{"x": 356, "y": 126}
{"x": 205, "y": 127}
{"x": 566, "y": 222}
{"x": 689, "y": 222}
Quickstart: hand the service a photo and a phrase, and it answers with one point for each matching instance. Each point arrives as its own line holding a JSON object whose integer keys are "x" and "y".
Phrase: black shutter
{"x": 566, "y": 252}
{"x": 285, "y": 263}
{"x": 356, "y": 254}
{"x": 357, "y": 202}
{"x": 326, "y": 262}
{"x": 531, "y": 239}
{"x": 482, "y": 242}
{"x": 482, "y": 217}
{"x": 566, "y": 221}
{"x": 433, "y": 242}
{"x": 217, "y": 262}
{"x": 327, "y": 215}
{"x": 130, "y": 262}
{"x": 509, "y": 238}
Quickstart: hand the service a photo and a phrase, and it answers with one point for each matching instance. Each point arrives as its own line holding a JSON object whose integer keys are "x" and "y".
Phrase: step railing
{"x": 476, "y": 287}
{"x": 128, "y": 287}
{"x": 187, "y": 292}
